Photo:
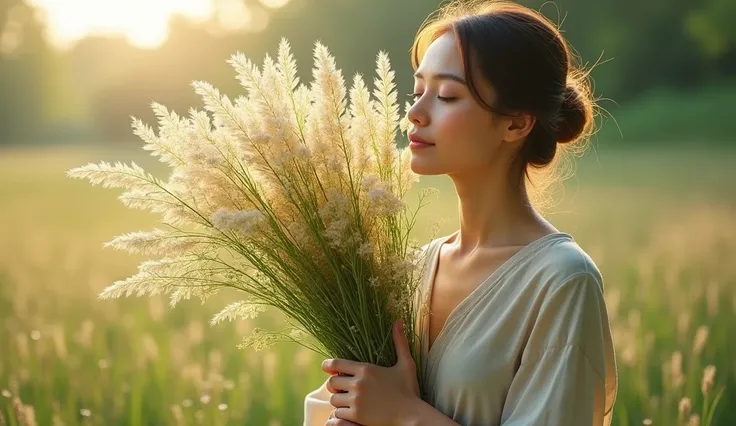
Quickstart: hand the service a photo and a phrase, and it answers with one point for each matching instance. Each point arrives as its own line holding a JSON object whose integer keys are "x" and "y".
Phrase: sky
{"x": 144, "y": 23}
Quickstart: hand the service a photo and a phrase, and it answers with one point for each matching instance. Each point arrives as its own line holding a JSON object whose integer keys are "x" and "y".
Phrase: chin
{"x": 423, "y": 167}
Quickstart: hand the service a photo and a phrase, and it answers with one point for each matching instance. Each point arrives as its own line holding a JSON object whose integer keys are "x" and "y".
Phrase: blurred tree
{"x": 711, "y": 26}
{"x": 26, "y": 62}
{"x": 636, "y": 46}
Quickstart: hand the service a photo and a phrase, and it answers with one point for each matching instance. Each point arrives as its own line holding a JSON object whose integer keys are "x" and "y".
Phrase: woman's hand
{"x": 371, "y": 395}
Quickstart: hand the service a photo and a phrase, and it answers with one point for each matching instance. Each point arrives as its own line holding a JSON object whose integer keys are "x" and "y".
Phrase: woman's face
{"x": 463, "y": 136}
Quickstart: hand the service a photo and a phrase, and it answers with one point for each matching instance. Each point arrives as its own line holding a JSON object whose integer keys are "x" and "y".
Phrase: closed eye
{"x": 415, "y": 96}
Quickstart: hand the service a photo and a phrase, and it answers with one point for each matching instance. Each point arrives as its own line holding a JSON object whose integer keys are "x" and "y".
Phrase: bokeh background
{"x": 653, "y": 200}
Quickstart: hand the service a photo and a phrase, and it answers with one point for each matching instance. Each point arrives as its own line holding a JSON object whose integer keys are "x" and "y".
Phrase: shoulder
{"x": 569, "y": 309}
{"x": 430, "y": 247}
{"x": 569, "y": 289}
{"x": 426, "y": 253}
{"x": 564, "y": 262}
{"x": 433, "y": 242}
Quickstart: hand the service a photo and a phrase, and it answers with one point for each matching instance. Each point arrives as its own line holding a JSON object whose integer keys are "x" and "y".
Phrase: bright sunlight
{"x": 144, "y": 23}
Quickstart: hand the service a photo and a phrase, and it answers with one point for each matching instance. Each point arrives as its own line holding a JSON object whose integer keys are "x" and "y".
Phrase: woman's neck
{"x": 493, "y": 213}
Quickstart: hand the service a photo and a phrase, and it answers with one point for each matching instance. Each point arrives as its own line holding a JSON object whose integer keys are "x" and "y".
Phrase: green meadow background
{"x": 653, "y": 201}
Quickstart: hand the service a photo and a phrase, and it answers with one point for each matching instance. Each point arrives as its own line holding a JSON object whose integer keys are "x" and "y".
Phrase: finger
{"x": 337, "y": 366}
{"x": 336, "y": 384}
{"x": 332, "y": 420}
{"x": 340, "y": 400}
{"x": 345, "y": 414}
{"x": 403, "y": 353}
{"x": 340, "y": 422}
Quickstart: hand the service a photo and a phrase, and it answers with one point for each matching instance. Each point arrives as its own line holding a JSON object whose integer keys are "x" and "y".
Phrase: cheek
{"x": 454, "y": 123}
{"x": 465, "y": 134}
{"x": 464, "y": 139}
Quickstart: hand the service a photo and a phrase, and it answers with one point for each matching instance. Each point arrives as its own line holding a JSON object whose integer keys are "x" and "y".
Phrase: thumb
{"x": 403, "y": 353}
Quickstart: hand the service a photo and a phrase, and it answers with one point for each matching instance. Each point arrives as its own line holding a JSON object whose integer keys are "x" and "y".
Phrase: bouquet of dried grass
{"x": 292, "y": 194}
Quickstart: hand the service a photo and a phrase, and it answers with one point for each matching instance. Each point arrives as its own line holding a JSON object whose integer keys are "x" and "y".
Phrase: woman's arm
{"x": 567, "y": 374}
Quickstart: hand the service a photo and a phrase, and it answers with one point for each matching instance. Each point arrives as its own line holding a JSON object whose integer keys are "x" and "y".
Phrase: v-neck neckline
{"x": 485, "y": 285}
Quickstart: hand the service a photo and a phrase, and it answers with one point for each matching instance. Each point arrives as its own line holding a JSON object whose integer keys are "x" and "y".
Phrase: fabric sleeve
{"x": 317, "y": 407}
{"x": 565, "y": 375}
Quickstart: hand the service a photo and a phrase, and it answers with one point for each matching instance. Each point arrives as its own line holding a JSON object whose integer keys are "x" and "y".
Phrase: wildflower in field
{"x": 694, "y": 420}
{"x": 676, "y": 369}
{"x": 709, "y": 375}
{"x": 701, "y": 337}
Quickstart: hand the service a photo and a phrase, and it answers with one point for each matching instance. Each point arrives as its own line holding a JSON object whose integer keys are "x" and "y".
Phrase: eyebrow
{"x": 443, "y": 76}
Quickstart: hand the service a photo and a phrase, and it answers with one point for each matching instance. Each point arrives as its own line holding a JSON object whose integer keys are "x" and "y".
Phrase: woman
{"x": 518, "y": 332}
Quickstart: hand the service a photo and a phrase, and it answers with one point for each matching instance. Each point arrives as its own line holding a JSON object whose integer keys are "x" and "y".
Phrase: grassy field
{"x": 661, "y": 224}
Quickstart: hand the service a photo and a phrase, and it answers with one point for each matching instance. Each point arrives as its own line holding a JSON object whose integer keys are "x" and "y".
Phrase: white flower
{"x": 182, "y": 277}
{"x": 243, "y": 221}
{"x": 157, "y": 242}
{"x": 365, "y": 250}
{"x": 238, "y": 310}
{"x": 117, "y": 175}
{"x": 388, "y": 111}
{"x": 259, "y": 340}
{"x": 381, "y": 201}
{"x": 363, "y": 132}
{"x": 297, "y": 334}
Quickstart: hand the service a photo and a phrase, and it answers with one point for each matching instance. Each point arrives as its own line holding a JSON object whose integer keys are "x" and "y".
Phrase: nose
{"x": 417, "y": 115}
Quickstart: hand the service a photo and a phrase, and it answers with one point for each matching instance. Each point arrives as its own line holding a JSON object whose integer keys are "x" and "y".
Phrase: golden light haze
{"x": 143, "y": 23}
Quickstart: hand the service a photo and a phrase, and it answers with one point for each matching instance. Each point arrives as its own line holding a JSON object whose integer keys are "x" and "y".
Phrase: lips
{"x": 417, "y": 139}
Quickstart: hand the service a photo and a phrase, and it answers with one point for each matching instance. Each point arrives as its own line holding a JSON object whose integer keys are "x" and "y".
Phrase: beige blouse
{"x": 531, "y": 345}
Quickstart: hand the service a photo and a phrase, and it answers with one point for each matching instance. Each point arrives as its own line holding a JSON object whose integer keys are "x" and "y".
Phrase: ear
{"x": 518, "y": 127}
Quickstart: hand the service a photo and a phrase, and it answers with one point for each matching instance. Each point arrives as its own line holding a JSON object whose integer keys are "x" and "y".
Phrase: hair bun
{"x": 575, "y": 116}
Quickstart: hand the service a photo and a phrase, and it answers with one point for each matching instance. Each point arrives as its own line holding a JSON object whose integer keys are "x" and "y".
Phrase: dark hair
{"x": 529, "y": 65}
